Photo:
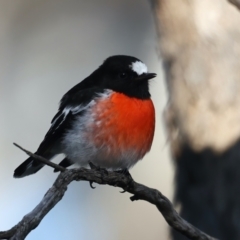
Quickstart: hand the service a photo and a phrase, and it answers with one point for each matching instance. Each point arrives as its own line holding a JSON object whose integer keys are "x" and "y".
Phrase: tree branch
{"x": 100, "y": 176}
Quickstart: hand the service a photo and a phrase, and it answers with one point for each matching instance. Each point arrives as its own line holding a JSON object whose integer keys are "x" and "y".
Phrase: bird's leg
{"x": 101, "y": 170}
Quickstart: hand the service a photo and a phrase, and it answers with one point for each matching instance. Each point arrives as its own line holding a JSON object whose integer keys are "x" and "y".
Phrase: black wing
{"x": 87, "y": 84}
{"x": 74, "y": 105}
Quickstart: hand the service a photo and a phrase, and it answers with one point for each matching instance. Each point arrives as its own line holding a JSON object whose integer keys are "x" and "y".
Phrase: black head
{"x": 126, "y": 75}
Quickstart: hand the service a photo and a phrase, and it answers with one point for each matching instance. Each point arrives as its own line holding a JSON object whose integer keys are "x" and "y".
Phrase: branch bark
{"x": 98, "y": 175}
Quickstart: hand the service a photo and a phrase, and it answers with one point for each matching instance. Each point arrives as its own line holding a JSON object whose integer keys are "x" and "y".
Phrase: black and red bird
{"x": 107, "y": 119}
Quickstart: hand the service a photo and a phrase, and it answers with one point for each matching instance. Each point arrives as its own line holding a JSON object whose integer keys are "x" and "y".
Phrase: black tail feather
{"x": 28, "y": 167}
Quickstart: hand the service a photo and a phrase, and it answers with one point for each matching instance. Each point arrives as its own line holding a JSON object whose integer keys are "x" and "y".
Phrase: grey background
{"x": 46, "y": 47}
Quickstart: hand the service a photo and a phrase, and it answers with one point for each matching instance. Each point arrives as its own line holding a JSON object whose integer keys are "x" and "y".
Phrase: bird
{"x": 107, "y": 119}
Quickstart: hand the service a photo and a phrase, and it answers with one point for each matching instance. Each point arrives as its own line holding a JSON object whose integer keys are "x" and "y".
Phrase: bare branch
{"x": 100, "y": 176}
{"x": 236, "y": 3}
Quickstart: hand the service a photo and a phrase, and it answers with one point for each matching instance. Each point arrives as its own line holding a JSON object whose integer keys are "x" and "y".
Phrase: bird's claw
{"x": 101, "y": 170}
{"x": 91, "y": 185}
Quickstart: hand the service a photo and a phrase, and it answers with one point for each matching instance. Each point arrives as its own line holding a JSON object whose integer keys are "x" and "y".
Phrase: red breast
{"x": 124, "y": 124}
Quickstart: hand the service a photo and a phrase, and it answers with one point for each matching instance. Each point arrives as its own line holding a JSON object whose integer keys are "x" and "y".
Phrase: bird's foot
{"x": 95, "y": 167}
{"x": 101, "y": 170}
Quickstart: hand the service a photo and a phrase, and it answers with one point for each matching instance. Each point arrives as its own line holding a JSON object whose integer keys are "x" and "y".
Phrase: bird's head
{"x": 125, "y": 74}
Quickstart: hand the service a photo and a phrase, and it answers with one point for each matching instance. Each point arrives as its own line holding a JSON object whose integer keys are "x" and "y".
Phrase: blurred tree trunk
{"x": 200, "y": 45}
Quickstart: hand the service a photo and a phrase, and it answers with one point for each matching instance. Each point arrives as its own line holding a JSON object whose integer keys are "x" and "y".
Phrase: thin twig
{"x": 100, "y": 176}
{"x": 41, "y": 159}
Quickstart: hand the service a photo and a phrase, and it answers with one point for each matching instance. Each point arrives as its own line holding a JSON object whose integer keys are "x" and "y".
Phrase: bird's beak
{"x": 146, "y": 76}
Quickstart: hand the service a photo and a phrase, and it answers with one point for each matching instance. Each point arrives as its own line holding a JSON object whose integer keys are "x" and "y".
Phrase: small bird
{"x": 107, "y": 119}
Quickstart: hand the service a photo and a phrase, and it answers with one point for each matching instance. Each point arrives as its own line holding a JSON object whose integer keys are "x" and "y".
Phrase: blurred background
{"x": 200, "y": 50}
{"x": 46, "y": 47}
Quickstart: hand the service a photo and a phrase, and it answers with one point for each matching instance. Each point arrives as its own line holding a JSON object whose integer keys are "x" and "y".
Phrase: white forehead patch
{"x": 139, "y": 67}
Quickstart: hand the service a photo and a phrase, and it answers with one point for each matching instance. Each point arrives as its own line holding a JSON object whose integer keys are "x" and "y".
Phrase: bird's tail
{"x": 31, "y": 166}
{"x": 28, "y": 167}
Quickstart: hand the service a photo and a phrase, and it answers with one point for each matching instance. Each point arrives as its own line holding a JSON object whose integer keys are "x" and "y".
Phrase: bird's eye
{"x": 123, "y": 75}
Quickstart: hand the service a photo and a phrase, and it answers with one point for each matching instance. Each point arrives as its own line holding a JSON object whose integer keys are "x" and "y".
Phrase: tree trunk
{"x": 200, "y": 45}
